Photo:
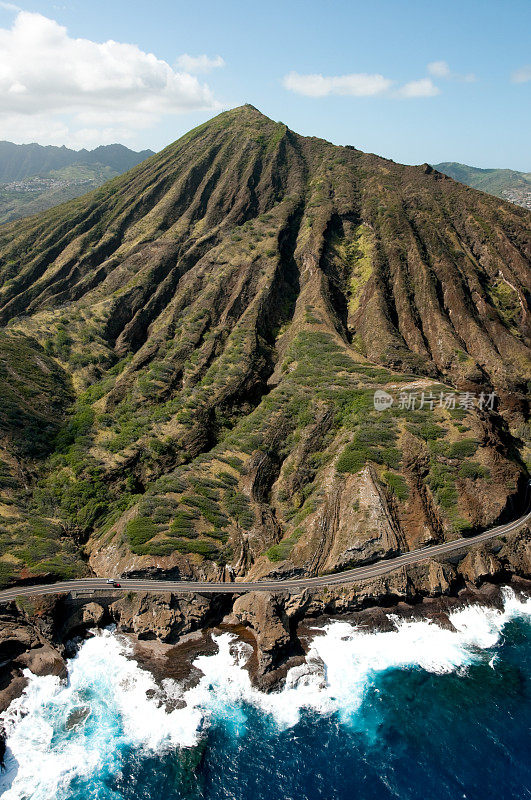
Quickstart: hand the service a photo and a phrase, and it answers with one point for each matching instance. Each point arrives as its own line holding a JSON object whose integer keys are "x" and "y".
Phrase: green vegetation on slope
{"x": 494, "y": 181}
{"x": 34, "y": 178}
{"x": 192, "y": 351}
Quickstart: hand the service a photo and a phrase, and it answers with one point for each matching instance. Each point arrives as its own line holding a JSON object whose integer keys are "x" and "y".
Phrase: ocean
{"x": 420, "y": 712}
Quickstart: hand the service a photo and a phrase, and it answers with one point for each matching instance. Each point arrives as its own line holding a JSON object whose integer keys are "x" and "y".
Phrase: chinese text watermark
{"x": 428, "y": 401}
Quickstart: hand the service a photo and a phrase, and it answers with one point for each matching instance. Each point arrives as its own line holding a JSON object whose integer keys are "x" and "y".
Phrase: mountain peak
{"x": 226, "y": 312}
{"x": 245, "y": 113}
{"x": 245, "y": 109}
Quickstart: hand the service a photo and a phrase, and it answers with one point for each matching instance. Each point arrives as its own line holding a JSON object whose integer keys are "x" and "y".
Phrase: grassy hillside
{"x": 39, "y": 193}
{"x": 19, "y": 161}
{"x": 506, "y": 183}
{"x": 214, "y": 325}
{"x": 35, "y": 178}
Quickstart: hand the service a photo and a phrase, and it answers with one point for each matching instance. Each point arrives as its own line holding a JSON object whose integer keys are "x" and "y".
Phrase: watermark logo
{"x": 427, "y": 401}
{"x": 382, "y": 400}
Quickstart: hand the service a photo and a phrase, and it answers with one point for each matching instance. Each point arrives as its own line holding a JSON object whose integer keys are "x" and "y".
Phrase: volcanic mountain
{"x": 190, "y": 354}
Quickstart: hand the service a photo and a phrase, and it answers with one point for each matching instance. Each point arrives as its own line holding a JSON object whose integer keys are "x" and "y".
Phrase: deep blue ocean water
{"x": 423, "y": 714}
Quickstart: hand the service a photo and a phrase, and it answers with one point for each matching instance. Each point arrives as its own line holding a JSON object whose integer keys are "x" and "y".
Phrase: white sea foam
{"x": 46, "y": 753}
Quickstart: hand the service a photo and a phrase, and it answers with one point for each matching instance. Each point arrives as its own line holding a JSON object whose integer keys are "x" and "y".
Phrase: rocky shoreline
{"x": 176, "y": 661}
{"x": 168, "y": 631}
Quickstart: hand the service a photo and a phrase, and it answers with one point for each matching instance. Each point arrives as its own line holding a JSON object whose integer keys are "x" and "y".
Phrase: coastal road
{"x": 293, "y": 585}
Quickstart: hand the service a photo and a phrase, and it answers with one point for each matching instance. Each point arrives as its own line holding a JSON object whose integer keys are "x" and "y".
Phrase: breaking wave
{"x": 64, "y": 735}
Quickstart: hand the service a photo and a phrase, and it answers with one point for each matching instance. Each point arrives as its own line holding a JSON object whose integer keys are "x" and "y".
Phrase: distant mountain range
{"x": 34, "y": 178}
{"x": 507, "y": 183}
{"x": 18, "y": 161}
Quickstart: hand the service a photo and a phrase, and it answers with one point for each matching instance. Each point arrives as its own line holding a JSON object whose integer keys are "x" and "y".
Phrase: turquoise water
{"x": 419, "y": 712}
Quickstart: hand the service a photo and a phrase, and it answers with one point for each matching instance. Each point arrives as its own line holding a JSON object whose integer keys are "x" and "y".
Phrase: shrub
{"x": 282, "y": 550}
{"x": 428, "y": 430}
{"x": 182, "y": 525}
{"x": 351, "y": 460}
{"x": 227, "y": 479}
{"x": 390, "y": 456}
{"x": 171, "y": 483}
{"x": 218, "y": 534}
{"x": 397, "y": 484}
{"x": 239, "y": 508}
{"x": 461, "y": 525}
{"x": 447, "y": 496}
{"x": 216, "y": 518}
{"x": 6, "y": 573}
{"x": 197, "y": 501}
{"x": 165, "y": 548}
{"x": 463, "y": 449}
{"x": 473, "y": 470}
{"x": 279, "y": 552}
{"x": 201, "y": 547}
{"x": 76, "y": 430}
{"x": 139, "y": 531}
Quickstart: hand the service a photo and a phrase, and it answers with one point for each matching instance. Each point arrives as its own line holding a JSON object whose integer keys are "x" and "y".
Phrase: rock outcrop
{"x": 24, "y": 644}
{"x": 269, "y": 617}
{"x": 165, "y": 616}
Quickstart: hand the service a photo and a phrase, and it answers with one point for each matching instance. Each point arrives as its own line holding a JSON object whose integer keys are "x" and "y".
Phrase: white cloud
{"x": 356, "y": 84}
{"x": 421, "y": 88}
{"x": 198, "y": 64}
{"x": 9, "y": 6}
{"x": 441, "y": 69}
{"x": 522, "y": 75}
{"x": 80, "y": 85}
{"x": 45, "y": 129}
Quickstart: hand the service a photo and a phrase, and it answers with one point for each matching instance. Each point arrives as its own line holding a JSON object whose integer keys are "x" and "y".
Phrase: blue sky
{"x": 413, "y": 81}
